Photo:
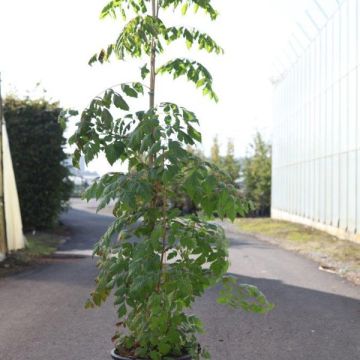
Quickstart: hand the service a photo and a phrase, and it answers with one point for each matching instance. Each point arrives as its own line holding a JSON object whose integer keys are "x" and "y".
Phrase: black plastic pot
{"x": 119, "y": 357}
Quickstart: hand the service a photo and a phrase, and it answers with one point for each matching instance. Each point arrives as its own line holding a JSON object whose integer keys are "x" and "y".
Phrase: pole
{"x": 3, "y": 242}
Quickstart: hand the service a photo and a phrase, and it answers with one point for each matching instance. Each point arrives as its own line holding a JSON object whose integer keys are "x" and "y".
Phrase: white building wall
{"x": 316, "y": 140}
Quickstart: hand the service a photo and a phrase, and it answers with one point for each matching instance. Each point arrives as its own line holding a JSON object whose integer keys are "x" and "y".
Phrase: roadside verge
{"x": 332, "y": 254}
{"x": 39, "y": 248}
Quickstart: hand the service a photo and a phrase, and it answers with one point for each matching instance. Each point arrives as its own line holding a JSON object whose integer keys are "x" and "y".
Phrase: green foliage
{"x": 247, "y": 297}
{"x": 227, "y": 163}
{"x": 194, "y": 72}
{"x": 36, "y": 143}
{"x": 215, "y": 156}
{"x": 257, "y": 176}
{"x": 230, "y": 165}
{"x": 162, "y": 261}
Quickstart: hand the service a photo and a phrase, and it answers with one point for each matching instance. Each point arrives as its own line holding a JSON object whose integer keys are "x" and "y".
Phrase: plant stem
{"x": 154, "y": 14}
{"x": 163, "y": 251}
{"x": 155, "y": 7}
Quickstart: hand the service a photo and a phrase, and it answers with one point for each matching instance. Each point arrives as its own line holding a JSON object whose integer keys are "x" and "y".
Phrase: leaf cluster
{"x": 161, "y": 261}
{"x": 123, "y": 7}
{"x": 145, "y": 34}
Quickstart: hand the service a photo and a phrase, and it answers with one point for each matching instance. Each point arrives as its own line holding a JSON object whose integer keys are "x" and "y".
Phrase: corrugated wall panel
{"x": 336, "y": 188}
{"x": 316, "y": 150}
{"x": 343, "y": 198}
{"x": 328, "y": 195}
{"x": 351, "y": 212}
{"x": 358, "y": 192}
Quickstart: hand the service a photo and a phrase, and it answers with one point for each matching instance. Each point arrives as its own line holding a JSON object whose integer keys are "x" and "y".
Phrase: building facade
{"x": 316, "y": 137}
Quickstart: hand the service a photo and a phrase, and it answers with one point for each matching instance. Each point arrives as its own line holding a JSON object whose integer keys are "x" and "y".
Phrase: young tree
{"x": 257, "y": 176}
{"x": 174, "y": 258}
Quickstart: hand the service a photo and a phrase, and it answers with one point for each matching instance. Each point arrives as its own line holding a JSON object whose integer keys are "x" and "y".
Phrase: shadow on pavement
{"x": 305, "y": 324}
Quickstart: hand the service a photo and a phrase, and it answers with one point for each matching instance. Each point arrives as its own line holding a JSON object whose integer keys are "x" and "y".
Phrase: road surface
{"x": 317, "y": 315}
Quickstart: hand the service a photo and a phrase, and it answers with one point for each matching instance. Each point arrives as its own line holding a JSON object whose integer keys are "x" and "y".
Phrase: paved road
{"x": 317, "y": 315}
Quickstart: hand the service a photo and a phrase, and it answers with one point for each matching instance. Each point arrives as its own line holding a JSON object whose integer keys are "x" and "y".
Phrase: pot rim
{"x": 120, "y": 357}
{"x": 114, "y": 355}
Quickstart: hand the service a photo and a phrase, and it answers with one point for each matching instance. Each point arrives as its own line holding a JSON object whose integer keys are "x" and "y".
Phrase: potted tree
{"x": 162, "y": 260}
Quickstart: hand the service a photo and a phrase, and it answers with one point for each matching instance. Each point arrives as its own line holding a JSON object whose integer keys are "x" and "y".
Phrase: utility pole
{"x": 3, "y": 242}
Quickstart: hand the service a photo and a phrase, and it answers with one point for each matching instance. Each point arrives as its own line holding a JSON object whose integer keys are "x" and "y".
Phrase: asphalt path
{"x": 316, "y": 315}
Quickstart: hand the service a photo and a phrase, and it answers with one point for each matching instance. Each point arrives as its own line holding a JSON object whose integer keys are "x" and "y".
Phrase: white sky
{"x": 51, "y": 41}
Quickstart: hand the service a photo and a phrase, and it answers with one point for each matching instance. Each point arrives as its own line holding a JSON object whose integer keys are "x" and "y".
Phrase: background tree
{"x": 227, "y": 163}
{"x": 231, "y": 165}
{"x": 36, "y": 143}
{"x": 257, "y": 176}
{"x": 215, "y": 157}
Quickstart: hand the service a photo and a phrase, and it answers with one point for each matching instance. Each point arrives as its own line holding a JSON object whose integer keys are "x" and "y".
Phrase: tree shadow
{"x": 305, "y": 324}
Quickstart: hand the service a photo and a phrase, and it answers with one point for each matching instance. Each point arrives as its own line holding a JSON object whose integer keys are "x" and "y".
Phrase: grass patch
{"x": 39, "y": 245}
{"x": 280, "y": 229}
{"x": 341, "y": 256}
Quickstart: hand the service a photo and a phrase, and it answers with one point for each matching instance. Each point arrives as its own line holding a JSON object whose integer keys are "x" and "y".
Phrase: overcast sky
{"x": 51, "y": 41}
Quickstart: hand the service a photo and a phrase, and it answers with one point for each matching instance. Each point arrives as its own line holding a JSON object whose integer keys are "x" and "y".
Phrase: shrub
{"x": 36, "y": 143}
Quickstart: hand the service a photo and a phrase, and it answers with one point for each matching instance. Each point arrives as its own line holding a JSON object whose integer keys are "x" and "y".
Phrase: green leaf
{"x": 144, "y": 71}
{"x": 185, "y": 8}
{"x": 106, "y": 118}
{"x": 114, "y": 151}
{"x": 89, "y": 304}
{"x": 120, "y": 103}
{"x": 195, "y": 134}
{"x": 205, "y": 5}
{"x": 219, "y": 267}
{"x": 164, "y": 348}
{"x": 155, "y": 148}
{"x": 93, "y": 59}
{"x": 121, "y": 311}
{"x": 194, "y": 71}
{"x": 129, "y": 91}
{"x": 154, "y": 355}
{"x": 172, "y": 255}
{"x": 62, "y": 122}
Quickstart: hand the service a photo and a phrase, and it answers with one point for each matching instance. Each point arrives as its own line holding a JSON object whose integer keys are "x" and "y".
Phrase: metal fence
{"x": 316, "y": 139}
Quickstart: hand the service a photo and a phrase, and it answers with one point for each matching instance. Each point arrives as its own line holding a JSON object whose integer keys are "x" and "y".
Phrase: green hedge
{"x": 36, "y": 143}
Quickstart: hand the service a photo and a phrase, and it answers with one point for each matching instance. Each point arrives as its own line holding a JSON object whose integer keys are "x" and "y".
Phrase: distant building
{"x": 316, "y": 140}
